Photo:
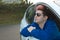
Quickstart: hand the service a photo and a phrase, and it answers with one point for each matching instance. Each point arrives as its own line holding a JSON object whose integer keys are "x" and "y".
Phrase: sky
{"x": 38, "y": 0}
{"x": 34, "y": 1}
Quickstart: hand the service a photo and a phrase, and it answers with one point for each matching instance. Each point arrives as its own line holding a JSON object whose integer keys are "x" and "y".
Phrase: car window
{"x": 30, "y": 14}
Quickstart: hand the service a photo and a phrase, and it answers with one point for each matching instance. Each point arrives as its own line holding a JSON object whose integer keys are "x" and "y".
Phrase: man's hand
{"x": 31, "y": 28}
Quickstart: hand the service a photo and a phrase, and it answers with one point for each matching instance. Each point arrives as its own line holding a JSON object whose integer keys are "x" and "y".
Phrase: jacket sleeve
{"x": 40, "y": 34}
{"x": 48, "y": 34}
{"x": 25, "y": 32}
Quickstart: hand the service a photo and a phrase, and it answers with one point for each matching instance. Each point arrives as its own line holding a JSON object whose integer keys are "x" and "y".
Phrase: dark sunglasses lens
{"x": 38, "y": 14}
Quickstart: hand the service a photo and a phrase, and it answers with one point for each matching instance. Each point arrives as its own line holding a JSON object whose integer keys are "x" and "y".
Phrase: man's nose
{"x": 35, "y": 16}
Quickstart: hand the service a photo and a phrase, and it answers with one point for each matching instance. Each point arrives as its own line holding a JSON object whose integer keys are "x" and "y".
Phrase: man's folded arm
{"x": 25, "y": 32}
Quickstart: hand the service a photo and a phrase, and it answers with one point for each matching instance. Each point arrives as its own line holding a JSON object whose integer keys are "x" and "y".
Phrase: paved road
{"x": 9, "y": 32}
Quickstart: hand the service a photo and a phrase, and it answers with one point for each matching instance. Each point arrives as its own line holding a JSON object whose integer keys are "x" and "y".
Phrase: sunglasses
{"x": 38, "y": 14}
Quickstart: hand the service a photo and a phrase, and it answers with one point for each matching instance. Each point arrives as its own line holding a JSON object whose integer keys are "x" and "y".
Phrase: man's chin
{"x": 36, "y": 21}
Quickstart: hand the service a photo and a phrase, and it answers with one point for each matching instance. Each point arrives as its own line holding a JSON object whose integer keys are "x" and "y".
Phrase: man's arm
{"x": 25, "y": 32}
{"x": 48, "y": 34}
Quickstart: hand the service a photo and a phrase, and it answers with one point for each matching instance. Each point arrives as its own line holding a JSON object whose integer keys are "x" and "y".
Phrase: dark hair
{"x": 46, "y": 11}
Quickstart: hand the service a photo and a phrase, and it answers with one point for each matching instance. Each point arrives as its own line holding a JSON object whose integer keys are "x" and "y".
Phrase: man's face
{"x": 39, "y": 18}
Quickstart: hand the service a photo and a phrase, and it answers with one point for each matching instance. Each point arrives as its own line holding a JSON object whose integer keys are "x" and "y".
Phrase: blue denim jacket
{"x": 49, "y": 31}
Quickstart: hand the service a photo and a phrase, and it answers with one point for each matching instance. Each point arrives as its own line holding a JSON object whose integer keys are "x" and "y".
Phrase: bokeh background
{"x": 11, "y": 13}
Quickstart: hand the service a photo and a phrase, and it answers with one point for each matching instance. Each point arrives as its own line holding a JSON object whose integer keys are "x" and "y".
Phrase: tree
{"x": 1, "y": 2}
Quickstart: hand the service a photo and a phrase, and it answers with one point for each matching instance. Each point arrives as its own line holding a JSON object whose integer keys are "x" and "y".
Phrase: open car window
{"x": 30, "y": 13}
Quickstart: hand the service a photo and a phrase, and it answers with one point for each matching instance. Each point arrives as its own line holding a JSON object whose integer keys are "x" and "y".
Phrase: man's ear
{"x": 46, "y": 17}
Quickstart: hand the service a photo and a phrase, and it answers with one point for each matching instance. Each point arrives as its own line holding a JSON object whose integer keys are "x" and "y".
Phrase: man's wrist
{"x": 31, "y": 28}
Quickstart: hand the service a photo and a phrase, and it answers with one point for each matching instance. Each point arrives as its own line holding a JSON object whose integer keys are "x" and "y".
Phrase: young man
{"x": 43, "y": 27}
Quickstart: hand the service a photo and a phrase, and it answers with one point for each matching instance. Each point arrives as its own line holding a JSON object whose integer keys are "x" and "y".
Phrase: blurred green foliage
{"x": 12, "y": 13}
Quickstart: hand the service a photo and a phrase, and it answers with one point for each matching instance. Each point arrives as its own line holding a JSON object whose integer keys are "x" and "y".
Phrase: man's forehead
{"x": 39, "y": 11}
{"x": 40, "y": 7}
